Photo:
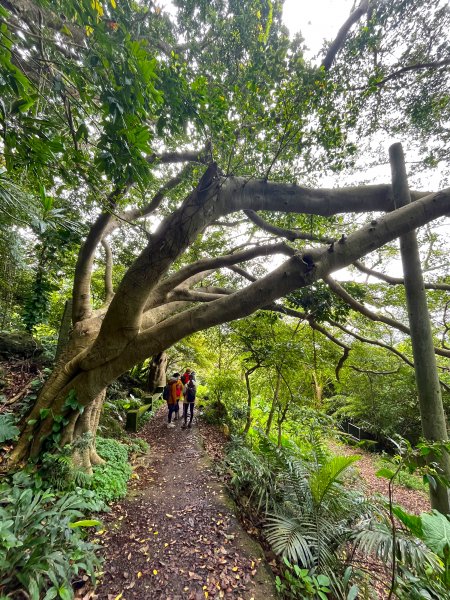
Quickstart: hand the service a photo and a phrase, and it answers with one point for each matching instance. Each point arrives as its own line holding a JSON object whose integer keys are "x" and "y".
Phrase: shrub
{"x": 109, "y": 481}
{"x": 42, "y": 544}
{"x": 137, "y": 446}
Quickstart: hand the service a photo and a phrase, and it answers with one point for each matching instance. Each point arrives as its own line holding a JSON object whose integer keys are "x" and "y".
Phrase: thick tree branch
{"x": 238, "y": 193}
{"x": 196, "y": 156}
{"x": 294, "y": 273}
{"x": 339, "y": 40}
{"x": 192, "y": 295}
{"x": 396, "y": 280}
{"x": 207, "y": 203}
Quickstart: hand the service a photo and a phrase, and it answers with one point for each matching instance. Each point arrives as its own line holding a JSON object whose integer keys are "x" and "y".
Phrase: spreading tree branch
{"x": 396, "y": 280}
{"x": 289, "y": 234}
{"x": 373, "y": 316}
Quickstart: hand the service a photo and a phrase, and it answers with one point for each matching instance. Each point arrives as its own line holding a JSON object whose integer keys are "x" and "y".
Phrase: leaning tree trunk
{"x": 248, "y": 419}
{"x": 430, "y": 399}
{"x": 157, "y": 372}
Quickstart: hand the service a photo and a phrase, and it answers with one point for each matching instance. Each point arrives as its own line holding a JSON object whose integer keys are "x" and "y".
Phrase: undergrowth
{"x": 109, "y": 481}
{"x": 43, "y": 544}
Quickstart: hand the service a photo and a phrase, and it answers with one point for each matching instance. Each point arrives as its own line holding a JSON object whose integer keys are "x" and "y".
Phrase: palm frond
{"x": 287, "y": 538}
{"x": 323, "y": 478}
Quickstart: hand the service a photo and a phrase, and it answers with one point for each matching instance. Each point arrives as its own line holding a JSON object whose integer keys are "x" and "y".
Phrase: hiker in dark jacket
{"x": 190, "y": 392}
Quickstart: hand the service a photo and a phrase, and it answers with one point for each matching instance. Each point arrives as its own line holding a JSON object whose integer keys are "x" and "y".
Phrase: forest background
{"x": 143, "y": 153}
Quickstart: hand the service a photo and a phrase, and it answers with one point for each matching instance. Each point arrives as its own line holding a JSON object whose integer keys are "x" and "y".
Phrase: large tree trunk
{"x": 64, "y": 329}
{"x": 430, "y": 400}
{"x": 157, "y": 372}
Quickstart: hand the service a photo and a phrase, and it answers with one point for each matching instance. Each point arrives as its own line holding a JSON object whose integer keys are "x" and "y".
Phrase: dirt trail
{"x": 175, "y": 536}
{"x": 414, "y": 501}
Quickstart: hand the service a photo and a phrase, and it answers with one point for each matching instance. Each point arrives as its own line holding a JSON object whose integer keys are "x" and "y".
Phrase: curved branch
{"x": 373, "y": 316}
{"x": 82, "y": 308}
{"x": 289, "y": 234}
{"x": 416, "y": 67}
{"x": 365, "y": 340}
{"x": 397, "y": 280}
{"x": 211, "y": 264}
{"x": 339, "y": 40}
{"x": 314, "y": 325}
{"x": 243, "y": 273}
{"x": 361, "y": 338}
{"x": 372, "y": 372}
{"x": 353, "y": 303}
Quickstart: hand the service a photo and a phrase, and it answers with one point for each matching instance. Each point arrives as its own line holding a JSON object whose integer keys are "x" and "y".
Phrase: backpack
{"x": 190, "y": 391}
{"x": 166, "y": 392}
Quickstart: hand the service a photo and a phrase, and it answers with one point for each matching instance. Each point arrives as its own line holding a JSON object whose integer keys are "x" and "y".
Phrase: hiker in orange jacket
{"x": 175, "y": 394}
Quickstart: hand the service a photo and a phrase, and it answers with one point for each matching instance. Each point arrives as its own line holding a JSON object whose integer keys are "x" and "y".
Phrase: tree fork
{"x": 430, "y": 400}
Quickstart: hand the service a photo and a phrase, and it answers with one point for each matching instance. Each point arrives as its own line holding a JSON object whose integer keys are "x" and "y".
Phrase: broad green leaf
{"x": 436, "y": 531}
{"x": 386, "y": 473}
{"x": 412, "y": 522}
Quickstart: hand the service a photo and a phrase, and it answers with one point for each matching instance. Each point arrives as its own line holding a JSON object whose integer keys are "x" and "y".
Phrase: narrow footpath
{"x": 175, "y": 536}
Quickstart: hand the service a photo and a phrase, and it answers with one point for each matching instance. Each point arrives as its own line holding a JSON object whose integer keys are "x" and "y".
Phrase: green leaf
{"x": 33, "y": 589}
{"x": 353, "y": 592}
{"x": 85, "y": 523}
{"x": 412, "y": 522}
{"x": 44, "y": 412}
{"x": 65, "y": 593}
{"x": 436, "y": 531}
{"x": 8, "y": 430}
{"x": 386, "y": 473}
{"x": 323, "y": 479}
{"x": 51, "y": 593}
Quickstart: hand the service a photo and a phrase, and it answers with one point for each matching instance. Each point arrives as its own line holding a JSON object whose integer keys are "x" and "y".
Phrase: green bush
{"x": 109, "y": 481}
{"x": 137, "y": 446}
{"x": 42, "y": 544}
